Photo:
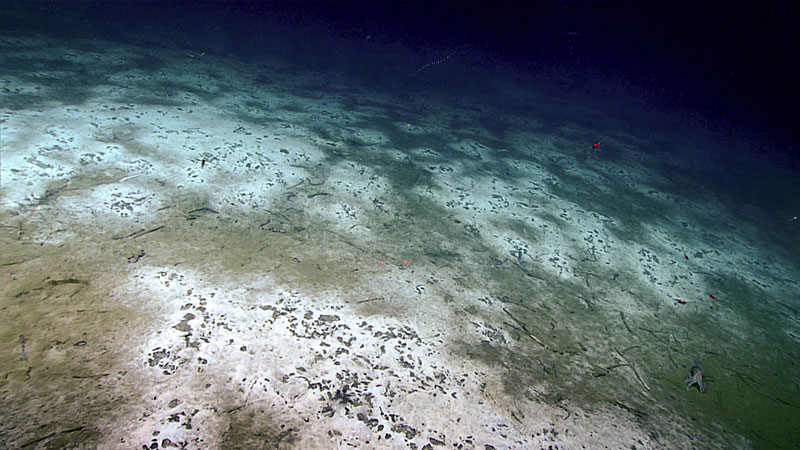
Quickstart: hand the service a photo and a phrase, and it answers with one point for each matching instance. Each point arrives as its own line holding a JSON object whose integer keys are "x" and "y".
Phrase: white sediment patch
{"x": 310, "y": 372}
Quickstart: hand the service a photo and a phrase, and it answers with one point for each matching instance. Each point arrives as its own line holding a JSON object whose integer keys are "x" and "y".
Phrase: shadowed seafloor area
{"x": 202, "y": 249}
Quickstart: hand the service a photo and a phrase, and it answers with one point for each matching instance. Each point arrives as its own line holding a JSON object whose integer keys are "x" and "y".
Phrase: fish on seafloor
{"x": 695, "y": 377}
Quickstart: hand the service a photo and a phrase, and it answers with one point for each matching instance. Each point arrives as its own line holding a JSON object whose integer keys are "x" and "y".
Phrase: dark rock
{"x": 410, "y": 432}
{"x": 435, "y": 441}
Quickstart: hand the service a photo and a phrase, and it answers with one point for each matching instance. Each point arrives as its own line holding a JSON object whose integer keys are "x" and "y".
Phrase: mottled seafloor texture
{"x": 204, "y": 252}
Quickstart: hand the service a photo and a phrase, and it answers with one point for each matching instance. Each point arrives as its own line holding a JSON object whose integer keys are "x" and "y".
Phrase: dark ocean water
{"x": 729, "y": 62}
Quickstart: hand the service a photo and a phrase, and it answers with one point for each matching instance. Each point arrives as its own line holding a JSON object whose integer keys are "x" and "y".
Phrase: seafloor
{"x": 205, "y": 252}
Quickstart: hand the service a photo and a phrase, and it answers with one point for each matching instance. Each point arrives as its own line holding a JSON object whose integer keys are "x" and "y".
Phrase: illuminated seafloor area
{"x": 200, "y": 251}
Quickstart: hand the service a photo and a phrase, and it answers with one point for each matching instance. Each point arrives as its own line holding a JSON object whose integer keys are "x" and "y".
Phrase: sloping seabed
{"x": 203, "y": 253}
